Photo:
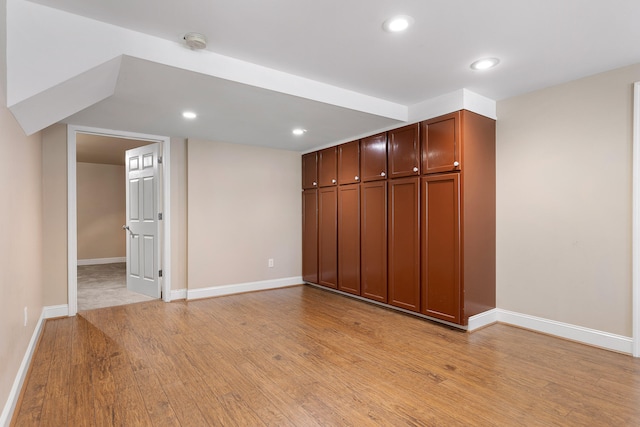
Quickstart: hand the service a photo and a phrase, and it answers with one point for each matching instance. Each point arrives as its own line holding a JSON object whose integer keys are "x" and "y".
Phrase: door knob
{"x": 315, "y": 183}
{"x": 415, "y": 169}
{"x": 333, "y": 181}
{"x": 357, "y": 178}
{"x": 126, "y": 227}
{"x": 456, "y": 164}
{"x": 383, "y": 174}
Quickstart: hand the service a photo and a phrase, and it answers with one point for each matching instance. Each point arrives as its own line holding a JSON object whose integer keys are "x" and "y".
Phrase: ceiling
{"x": 341, "y": 43}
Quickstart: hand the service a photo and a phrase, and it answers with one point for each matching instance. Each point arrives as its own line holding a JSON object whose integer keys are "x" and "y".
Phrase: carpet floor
{"x": 104, "y": 285}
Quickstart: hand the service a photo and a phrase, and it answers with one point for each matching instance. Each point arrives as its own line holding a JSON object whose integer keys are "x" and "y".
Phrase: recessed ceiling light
{"x": 189, "y": 115}
{"x": 485, "y": 63}
{"x": 299, "y": 131}
{"x": 397, "y": 23}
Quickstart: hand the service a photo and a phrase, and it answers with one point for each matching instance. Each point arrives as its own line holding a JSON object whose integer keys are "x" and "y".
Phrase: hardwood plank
{"x": 304, "y": 356}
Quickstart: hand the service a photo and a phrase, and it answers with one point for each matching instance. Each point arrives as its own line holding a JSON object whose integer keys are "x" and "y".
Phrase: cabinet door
{"x": 404, "y": 243}
{"x": 373, "y": 157}
{"x": 310, "y": 236}
{"x": 328, "y": 167}
{"x": 349, "y": 238}
{"x": 328, "y": 237}
{"x": 404, "y": 151}
{"x": 310, "y": 170}
{"x": 441, "y": 144}
{"x": 441, "y": 287}
{"x": 349, "y": 163}
{"x": 373, "y": 240}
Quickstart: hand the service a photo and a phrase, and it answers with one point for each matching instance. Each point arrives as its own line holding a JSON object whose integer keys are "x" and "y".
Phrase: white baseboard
{"x": 581, "y": 334}
{"x": 483, "y": 319}
{"x": 54, "y": 311}
{"x": 96, "y": 261}
{"x": 216, "y": 291}
{"x": 14, "y": 393}
{"x": 178, "y": 294}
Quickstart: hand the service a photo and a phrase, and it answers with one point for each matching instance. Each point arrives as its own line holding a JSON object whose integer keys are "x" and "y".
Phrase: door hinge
{"x": 159, "y": 160}
{"x": 160, "y": 216}
{"x": 159, "y": 273}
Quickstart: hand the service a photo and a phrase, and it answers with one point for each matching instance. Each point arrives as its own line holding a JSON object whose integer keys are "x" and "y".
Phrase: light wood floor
{"x": 302, "y": 356}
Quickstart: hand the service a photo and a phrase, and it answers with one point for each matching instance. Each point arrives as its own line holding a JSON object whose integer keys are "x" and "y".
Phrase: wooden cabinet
{"x": 349, "y": 238}
{"x": 328, "y": 167}
{"x": 373, "y": 158}
{"x": 459, "y": 225}
{"x": 404, "y": 151}
{"x": 441, "y": 246}
{"x": 373, "y": 240}
{"x": 349, "y": 163}
{"x": 328, "y": 237}
{"x": 310, "y": 236}
{"x": 407, "y": 218}
{"x": 310, "y": 170}
{"x": 441, "y": 144}
{"x": 404, "y": 243}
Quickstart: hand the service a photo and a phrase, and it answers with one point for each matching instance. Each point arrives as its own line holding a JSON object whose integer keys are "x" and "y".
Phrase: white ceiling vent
{"x": 195, "y": 40}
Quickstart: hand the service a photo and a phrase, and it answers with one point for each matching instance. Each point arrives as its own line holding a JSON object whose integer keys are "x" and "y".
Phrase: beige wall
{"x": 20, "y": 243}
{"x": 101, "y": 203}
{"x": 243, "y": 208}
{"x": 54, "y": 198}
{"x": 178, "y": 213}
{"x": 564, "y": 202}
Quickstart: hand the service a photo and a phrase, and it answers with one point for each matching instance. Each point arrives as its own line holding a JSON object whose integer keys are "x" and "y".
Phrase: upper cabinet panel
{"x": 328, "y": 167}
{"x": 310, "y": 170}
{"x": 441, "y": 144}
{"x": 404, "y": 151}
{"x": 373, "y": 157}
{"x": 349, "y": 163}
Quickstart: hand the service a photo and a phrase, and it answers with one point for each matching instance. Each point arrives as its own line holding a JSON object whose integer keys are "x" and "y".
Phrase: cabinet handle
{"x": 415, "y": 169}
{"x": 357, "y": 178}
{"x": 383, "y": 174}
{"x": 456, "y": 164}
{"x": 315, "y": 183}
{"x": 333, "y": 181}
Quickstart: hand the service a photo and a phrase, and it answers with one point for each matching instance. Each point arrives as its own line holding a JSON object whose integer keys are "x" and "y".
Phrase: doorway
{"x": 94, "y": 267}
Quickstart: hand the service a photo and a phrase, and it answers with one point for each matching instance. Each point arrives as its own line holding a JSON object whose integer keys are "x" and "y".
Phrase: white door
{"x": 141, "y": 168}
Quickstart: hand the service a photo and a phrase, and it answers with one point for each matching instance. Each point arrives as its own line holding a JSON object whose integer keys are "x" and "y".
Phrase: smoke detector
{"x": 195, "y": 40}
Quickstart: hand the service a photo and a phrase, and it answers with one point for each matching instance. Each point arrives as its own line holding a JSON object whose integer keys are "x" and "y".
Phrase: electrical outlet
{"x": 26, "y": 316}
{"x": 270, "y": 262}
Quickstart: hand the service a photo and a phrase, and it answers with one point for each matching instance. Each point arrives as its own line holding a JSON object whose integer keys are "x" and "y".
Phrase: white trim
{"x": 216, "y": 291}
{"x": 178, "y": 294}
{"x": 14, "y": 393}
{"x": 565, "y": 330}
{"x": 482, "y": 319}
{"x": 53, "y": 311}
{"x": 98, "y": 261}
{"x": 635, "y": 228}
{"x": 72, "y": 233}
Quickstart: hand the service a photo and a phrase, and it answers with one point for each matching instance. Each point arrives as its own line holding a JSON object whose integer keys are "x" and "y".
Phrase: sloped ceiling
{"x": 269, "y": 66}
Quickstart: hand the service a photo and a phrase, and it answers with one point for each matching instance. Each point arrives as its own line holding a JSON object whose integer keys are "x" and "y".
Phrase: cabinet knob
{"x": 333, "y": 181}
{"x": 315, "y": 183}
{"x": 456, "y": 164}
{"x": 415, "y": 169}
{"x": 383, "y": 174}
{"x": 357, "y": 178}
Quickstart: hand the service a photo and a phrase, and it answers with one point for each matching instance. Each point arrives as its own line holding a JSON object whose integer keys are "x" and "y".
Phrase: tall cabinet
{"x": 406, "y": 218}
{"x": 328, "y": 217}
{"x": 310, "y": 217}
{"x": 349, "y": 217}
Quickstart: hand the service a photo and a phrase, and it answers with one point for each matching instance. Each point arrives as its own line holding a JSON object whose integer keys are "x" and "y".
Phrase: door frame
{"x": 164, "y": 254}
{"x": 635, "y": 233}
